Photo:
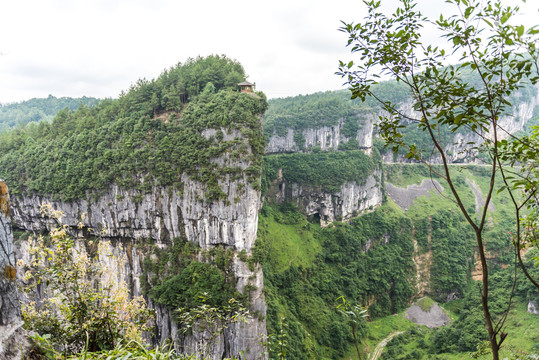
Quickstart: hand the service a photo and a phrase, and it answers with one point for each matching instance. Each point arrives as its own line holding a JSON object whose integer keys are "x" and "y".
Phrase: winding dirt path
{"x": 479, "y": 201}
{"x": 380, "y": 347}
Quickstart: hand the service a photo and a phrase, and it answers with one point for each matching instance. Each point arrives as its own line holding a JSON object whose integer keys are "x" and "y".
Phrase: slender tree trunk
{"x": 355, "y": 341}
{"x": 494, "y": 345}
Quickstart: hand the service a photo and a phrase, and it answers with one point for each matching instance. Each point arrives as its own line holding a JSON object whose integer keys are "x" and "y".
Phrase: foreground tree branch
{"x": 496, "y": 58}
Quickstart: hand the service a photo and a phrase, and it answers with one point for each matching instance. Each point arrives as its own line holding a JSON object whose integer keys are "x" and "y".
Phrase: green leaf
{"x": 468, "y": 11}
{"x": 457, "y": 120}
{"x": 488, "y": 22}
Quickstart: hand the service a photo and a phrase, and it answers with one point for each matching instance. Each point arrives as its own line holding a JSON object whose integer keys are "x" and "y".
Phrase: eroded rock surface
{"x": 352, "y": 199}
{"x": 129, "y": 217}
{"x": 13, "y": 339}
{"x": 433, "y": 318}
{"x": 404, "y": 197}
{"x": 325, "y": 137}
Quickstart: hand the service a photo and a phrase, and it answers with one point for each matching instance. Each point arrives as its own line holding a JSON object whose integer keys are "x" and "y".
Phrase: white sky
{"x": 100, "y": 47}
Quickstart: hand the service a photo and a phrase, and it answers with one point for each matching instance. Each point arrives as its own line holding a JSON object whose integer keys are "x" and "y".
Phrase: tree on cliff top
{"x": 501, "y": 56}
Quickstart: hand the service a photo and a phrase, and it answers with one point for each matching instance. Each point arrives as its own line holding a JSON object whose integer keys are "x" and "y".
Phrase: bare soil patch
{"x": 433, "y": 318}
{"x": 405, "y": 197}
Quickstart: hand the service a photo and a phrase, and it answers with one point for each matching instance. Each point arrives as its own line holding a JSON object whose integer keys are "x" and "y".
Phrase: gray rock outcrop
{"x": 352, "y": 199}
{"x": 13, "y": 339}
{"x": 532, "y": 307}
{"x": 433, "y": 318}
{"x": 404, "y": 197}
{"x": 326, "y": 137}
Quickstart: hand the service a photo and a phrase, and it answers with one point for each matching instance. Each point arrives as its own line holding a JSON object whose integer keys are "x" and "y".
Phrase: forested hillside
{"x": 170, "y": 174}
{"x": 384, "y": 260}
{"x": 434, "y": 245}
{"x": 331, "y": 120}
{"x": 36, "y": 110}
{"x": 149, "y": 136}
{"x": 323, "y": 109}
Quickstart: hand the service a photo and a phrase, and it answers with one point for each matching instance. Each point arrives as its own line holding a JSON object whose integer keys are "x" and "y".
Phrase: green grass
{"x": 403, "y": 175}
{"x": 453, "y": 308}
{"x": 379, "y": 329}
{"x": 426, "y": 205}
{"x": 523, "y": 329}
{"x": 425, "y": 303}
{"x": 291, "y": 244}
{"x": 294, "y": 242}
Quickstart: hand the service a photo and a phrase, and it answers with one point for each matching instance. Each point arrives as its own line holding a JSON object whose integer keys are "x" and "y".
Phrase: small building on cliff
{"x": 246, "y": 87}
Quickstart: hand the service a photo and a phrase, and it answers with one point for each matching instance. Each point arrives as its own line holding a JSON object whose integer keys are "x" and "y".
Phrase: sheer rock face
{"x": 123, "y": 261}
{"x": 161, "y": 214}
{"x": 352, "y": 199}
{"x": 13, "y": 339}
{"x": 459, "y": 150}
{"x": 327, "y": 137}
{"x": 9, "y": 304}
{"x": 330, "y": 137}
{"x": 128, "y": 217}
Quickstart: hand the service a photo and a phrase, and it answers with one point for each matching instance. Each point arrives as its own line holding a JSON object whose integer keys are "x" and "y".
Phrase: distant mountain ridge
{"x": 38, "y": 109}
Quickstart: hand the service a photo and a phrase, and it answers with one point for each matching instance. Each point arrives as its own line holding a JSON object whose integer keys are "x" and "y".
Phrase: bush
{"x": 82, "y": 306}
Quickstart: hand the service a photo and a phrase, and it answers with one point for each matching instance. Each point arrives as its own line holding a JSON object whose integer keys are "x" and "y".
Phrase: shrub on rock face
{"x": 82, "y": 305}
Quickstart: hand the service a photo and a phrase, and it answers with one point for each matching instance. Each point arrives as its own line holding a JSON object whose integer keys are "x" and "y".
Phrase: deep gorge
{"x": 291, "y": 198}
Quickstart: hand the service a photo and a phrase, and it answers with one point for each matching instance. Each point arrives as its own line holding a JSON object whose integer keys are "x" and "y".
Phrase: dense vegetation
{"x": 177, "y": 278}
{"x": 328, "y": 108}
{"x": 309, "y": 111}
{"x": 306, "y": 268}
{"x": 36, "y": 110}
{"x": 325, "y": 170}
{"x": 155, "y": 132}
{"x": 323, "y": 109}
{"x": 370, "y": 261}
{"x": 147, "y": 137}
{"x": 84, "y": 305}
{"x": 461, "y": 338}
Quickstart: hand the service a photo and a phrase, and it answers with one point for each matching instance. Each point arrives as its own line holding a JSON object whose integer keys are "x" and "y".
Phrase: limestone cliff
{"x": 325, "y": 137}
{"x": 13, "y": 339}
{"x": 332, "y": 137}
{"x": 460, "y": 148}
{"x": 164, "y": 215}
{"x": 352, "y": 199}
{"x": 128, "y": 217}
{"x": 161, "y": 214}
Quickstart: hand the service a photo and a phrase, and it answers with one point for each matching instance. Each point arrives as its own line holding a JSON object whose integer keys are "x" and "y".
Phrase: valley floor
{"x": 523, "y": 339}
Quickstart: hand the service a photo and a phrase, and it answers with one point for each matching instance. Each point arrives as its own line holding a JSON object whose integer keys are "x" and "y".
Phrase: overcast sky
{"x": 100, "y": 47}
